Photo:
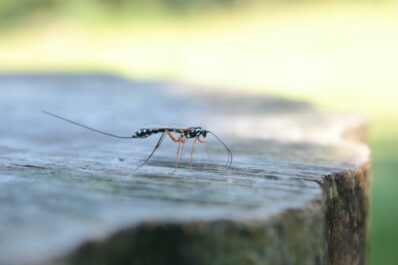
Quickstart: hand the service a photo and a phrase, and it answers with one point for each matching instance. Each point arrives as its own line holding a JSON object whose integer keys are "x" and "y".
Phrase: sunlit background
{"x": 340, "y": 55}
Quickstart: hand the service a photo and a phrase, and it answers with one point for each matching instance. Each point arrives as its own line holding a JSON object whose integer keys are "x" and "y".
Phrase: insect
{"x": 195, "y": 133}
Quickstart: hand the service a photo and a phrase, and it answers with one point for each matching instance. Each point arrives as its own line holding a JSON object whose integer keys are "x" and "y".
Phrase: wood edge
{"x": 295, "y": 234}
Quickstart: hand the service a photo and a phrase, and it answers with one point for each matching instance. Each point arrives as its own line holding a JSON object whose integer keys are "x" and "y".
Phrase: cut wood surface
{"x": 297, "y": 191}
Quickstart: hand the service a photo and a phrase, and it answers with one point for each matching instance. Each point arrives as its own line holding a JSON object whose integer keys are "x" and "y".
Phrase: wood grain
{"x": 297, "y": 192}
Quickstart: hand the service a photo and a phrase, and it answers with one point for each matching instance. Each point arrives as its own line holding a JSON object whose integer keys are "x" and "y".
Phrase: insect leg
{"x": 193, "y": 149}
{"x": 154, "y": 150}
{"x": 207, "y": 148}
{"x": 180, "y": 150}
{"x": 180, "y": 140}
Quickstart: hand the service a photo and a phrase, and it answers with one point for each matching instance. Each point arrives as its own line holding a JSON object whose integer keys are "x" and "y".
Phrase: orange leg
{"x": 193, "y": 149}
{"x": 179, "y": 140}
{"x": 207, "y": 148}
{"x": 179, "y": 152}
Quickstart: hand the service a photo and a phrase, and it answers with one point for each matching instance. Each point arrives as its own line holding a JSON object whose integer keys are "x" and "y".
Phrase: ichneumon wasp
{"x": 184, "y": 133}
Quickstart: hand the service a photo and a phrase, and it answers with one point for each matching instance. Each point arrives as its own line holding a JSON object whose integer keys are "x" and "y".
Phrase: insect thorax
{"x": 193, "y": 132}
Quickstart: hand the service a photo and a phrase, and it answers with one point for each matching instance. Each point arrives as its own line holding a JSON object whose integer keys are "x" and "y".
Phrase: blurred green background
{"x": 341, "y": 55}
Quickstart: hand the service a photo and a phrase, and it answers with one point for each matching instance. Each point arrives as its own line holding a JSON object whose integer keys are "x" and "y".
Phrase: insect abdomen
{"x": 145, "y": 132}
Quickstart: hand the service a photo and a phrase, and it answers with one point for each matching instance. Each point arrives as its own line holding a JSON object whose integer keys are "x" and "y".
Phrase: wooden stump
{"x": 297, "y": 192}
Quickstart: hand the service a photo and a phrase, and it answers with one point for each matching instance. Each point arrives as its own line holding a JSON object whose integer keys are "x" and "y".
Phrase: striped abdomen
{"x": 186, "y": 132}
{"x": 145, "y": 132}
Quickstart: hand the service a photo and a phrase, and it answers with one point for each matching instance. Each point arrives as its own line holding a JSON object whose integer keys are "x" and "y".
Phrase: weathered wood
{"x": 297, "y": 192}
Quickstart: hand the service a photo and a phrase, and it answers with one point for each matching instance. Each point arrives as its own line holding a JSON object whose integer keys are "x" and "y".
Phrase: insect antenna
{"x": 229, "y": 163}
{"x": 84, "y": 126}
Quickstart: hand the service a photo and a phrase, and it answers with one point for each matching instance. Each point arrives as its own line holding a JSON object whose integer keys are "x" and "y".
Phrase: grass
{"x": 342, "y": 57}
{"x": 384, "y": 204}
